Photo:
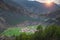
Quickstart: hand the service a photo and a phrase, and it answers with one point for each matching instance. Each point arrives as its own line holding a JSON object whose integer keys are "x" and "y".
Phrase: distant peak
{"x": 49, "y": 5}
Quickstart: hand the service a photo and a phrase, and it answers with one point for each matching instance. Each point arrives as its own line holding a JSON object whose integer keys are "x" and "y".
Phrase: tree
{"x": 39, "y": 33}
{"x": 52, "y": 32}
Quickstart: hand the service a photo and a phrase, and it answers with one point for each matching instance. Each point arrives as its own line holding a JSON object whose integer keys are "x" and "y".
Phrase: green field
{"x": 18, "y": 30}
{"x": 51, "y": 32}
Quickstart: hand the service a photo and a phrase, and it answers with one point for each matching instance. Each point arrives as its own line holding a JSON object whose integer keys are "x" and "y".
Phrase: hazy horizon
{"x": 43, "y": 1}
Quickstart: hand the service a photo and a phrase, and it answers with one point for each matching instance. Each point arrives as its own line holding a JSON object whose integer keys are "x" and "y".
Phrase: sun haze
{"x": 49, "y": 3}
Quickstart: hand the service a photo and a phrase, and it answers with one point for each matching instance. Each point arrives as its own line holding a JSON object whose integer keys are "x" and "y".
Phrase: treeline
{"x": 48, "y": 33}
{"x": 51, "y": 32}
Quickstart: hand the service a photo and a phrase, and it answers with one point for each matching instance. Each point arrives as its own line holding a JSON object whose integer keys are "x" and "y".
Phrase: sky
{"x": 56, "y": 1}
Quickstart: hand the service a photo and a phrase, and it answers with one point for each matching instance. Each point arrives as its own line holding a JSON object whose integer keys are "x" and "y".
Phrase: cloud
{"x": 31, "y": 0}
{"x": 56, "y": 1}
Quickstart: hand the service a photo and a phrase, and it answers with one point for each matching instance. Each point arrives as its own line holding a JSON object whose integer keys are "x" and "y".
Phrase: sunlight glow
{"x": 49, "y": 3}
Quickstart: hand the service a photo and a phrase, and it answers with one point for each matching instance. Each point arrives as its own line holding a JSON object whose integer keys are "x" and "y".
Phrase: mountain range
{"x": 24, "y": 13}
{"x": 34, "y": 6}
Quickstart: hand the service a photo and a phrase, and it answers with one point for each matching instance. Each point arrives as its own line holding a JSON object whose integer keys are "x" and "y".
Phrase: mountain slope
{"x": 24, "y": 13}
{"x": 54, "y": 17}
{"x": 15, "y": 14}
{"x": 37, "y": 7}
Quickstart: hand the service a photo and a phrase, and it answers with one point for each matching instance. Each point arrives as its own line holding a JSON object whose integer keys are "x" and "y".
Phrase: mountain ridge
{"x": 34, "y": 6}
{"x": 15, "y": 14}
